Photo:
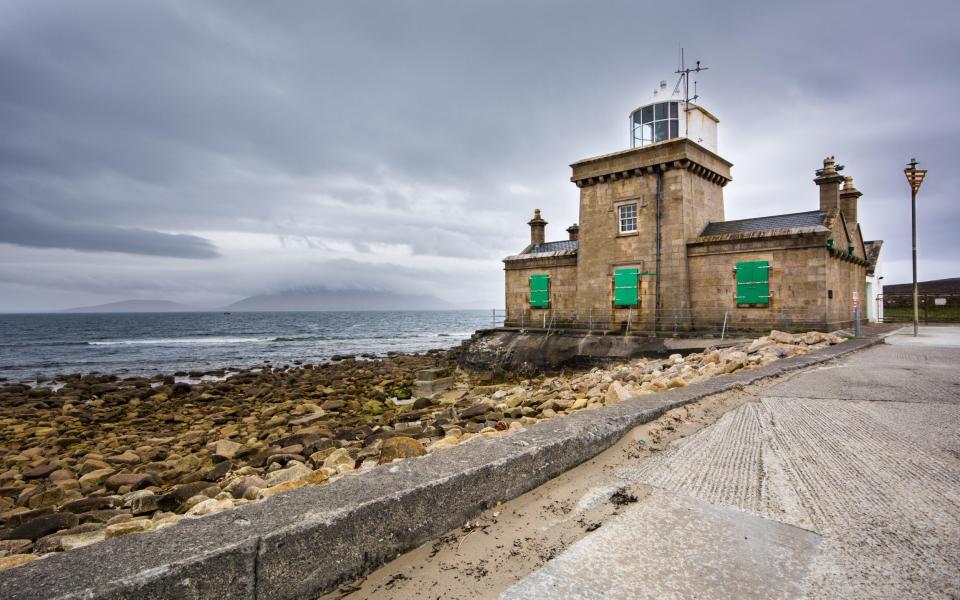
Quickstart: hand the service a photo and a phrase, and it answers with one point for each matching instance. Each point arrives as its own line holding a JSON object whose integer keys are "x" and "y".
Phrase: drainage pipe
{"x": 656, "y": 308}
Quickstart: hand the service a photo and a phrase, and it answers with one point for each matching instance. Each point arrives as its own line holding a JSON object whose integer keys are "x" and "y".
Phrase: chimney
{"x": 538, "y": 228}
{"x": 848, "y": 201}
{"x": 829, "y": 180}
{"x": 574, "y": 231}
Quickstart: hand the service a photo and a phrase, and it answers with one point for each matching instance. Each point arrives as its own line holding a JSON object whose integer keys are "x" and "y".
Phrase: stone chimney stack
{"x": 849, "y": 196}
{"x": 829, "y": 181}
{"x": 538, "y": 228}
{"x": 574, "y": 231}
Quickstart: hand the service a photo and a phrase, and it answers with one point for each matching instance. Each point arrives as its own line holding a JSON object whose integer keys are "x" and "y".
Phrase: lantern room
{"x": 668, "y": 117}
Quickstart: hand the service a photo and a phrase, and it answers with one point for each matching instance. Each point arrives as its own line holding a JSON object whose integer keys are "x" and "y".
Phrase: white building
{"x": 874, "y": 300}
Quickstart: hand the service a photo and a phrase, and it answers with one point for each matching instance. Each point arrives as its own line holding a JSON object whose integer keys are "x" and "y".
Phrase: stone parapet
{"x": 675, "y": 154}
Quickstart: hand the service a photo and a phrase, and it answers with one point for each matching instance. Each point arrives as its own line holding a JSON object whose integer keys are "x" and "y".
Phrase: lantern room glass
{"x": 656, "y": 123}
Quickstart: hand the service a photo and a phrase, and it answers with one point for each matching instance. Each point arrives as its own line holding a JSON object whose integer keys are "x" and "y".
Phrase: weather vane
{"x": 684, "y": 73}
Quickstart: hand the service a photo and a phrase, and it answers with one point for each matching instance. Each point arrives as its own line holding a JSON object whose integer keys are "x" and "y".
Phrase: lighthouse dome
{"x": 666, "y": 116}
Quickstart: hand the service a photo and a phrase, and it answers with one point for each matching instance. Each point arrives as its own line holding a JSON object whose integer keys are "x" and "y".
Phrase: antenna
{"x": 684, "y": 73}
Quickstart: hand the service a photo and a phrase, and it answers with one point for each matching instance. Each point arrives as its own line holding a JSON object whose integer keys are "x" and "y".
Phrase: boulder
{"x": 134, "y": 481}
{"x": 94, "y": 479}
{"x": 38, "y": 527}
{"x": 400, "y": 447}
{"x": 218, "y": 471}
{"x": 128, "y": 527}
{"x": 78, "y": 540}
{"x": 295, "y": 471}
{"x": 15, "y": 560}
{"x": 179, "y": 494}
{"x": 333, "y": 405}
{"x": 127, "y": 458}
{"x": 39, "y": 472}
{"x": 474, "y": 411}
{"x": 142, "y": 502}
{"x": 226, "y": 449}
{"x": 238, "y": 487}
{"x": 210, "y": 506}
{"x": 617, "y": 392}
{"x": 782, "y": 337}
{"x": 8, "y": 547}
{"x": 339, "y": 457}
{"x": 93, "y": 503}
{"x": 315, "y": 478}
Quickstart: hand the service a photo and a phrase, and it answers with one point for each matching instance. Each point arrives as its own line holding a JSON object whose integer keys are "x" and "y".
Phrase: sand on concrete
{"x": 509, "y": 541}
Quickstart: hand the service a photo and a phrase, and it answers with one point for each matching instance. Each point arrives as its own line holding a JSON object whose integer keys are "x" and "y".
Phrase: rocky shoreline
{"x": 98, "y": 457}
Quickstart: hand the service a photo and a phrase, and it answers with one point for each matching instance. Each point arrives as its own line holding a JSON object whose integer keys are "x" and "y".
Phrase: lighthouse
{"x": 669, "y": 116}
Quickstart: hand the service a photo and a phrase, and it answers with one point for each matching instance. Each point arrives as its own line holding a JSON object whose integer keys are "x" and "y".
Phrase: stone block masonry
{"x": 305, "y": 542}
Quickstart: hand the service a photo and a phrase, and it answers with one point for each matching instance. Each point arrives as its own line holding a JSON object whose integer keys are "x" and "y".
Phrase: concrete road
{"x": 842, "y": 481}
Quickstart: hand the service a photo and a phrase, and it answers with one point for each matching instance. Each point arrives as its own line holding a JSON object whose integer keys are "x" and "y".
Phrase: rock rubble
{"x": 101, "y": 457}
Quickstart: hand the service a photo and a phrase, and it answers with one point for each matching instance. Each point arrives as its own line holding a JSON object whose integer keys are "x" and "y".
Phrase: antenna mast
{"x": 684, "y": 73}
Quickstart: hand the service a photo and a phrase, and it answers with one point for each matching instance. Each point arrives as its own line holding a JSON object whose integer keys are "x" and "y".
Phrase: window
{"x": 625, "y": 284}
{"x": 656, "y": 123}
{"x": 540, "y": 291}
{"x": 628, "y": 218}
{"x": 753, "y": 283}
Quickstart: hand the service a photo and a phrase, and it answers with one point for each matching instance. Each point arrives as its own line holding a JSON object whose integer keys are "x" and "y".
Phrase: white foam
{"x": 179, "y": 341}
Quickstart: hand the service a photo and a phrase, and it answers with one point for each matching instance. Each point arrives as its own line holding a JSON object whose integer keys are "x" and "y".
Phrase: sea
{"x": 43, "y": 346}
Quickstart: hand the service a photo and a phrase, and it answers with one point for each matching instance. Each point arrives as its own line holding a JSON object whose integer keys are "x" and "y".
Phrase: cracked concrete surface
{"x": 848, "y": 476}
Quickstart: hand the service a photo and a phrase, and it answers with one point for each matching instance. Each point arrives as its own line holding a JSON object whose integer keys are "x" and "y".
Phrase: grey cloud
{"x": 404, "y": 124}
{"x": 51, "y": 232}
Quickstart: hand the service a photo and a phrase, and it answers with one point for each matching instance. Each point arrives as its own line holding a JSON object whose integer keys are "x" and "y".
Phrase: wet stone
{"x": 35, "y": 529}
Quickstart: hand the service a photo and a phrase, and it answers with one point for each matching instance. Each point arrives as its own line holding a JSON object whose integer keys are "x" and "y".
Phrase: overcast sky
{"x": 206, "y": 151}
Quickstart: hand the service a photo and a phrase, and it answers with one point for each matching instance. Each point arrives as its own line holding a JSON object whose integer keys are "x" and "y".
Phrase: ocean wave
{"x": 178, "y": 341}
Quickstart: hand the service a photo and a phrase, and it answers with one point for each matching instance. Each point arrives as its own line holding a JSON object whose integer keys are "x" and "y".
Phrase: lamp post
{"x": 914, "y": 178}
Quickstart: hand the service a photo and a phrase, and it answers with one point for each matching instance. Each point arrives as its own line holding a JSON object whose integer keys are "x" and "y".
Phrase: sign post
{"x": 856, "y": 313}
{"x": 914, "y": 178}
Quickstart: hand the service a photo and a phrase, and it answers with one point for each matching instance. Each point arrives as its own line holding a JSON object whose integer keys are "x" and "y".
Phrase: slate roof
{"x": 547, "y": 250}
{"x": 873, "y": 253}
{"x": 553, "y": 246}
{"x": 813, "y": 218}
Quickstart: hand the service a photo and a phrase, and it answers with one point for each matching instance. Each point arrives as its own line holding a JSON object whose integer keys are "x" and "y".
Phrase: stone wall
{"x": 844, "y": 277}
{"x": 796, "y": 276}
{"x": 563, "y": 289}
{"x": 804, "y": 274}
{"x": 693, "y": 180}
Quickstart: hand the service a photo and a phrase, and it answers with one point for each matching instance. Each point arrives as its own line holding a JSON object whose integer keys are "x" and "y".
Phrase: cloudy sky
{"x": 205, "y": 151}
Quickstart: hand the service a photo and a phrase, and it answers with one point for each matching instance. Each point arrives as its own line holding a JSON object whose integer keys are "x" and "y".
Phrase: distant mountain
{"x": 318, "y": 299}
{"x": 125, "y": 306}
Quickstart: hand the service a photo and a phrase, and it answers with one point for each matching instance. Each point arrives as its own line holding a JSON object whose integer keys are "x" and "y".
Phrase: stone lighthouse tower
{"x": 639, "y": 207}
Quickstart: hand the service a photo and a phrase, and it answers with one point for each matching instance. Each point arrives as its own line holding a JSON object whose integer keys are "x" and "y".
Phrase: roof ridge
{"x": 805, "y": 212}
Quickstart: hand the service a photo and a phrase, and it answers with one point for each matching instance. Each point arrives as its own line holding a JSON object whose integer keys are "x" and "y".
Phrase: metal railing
{"x": 932, "y": 308}
{"x": 721, "y": 321}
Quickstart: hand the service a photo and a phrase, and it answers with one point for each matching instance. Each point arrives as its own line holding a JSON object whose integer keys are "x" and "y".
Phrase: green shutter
{"x": 539, "y": 291}
{"x": 753, "y": 284}
{"x": 625, "y": 287}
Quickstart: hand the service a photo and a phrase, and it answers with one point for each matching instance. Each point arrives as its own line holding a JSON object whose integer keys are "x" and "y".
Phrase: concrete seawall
{"x": 308, "y": 541}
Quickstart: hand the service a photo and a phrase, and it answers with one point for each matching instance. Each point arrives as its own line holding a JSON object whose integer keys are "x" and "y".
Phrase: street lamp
{"x": 915, "y": 178}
